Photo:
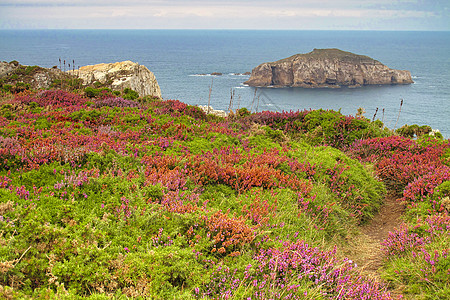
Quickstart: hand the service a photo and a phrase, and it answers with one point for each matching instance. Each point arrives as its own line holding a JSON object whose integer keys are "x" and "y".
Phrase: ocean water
{"x": 178, "y": 57}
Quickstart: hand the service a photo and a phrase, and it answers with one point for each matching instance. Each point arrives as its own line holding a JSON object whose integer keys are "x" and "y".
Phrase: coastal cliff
{"x": 116, "y": 76}
{"x": 121, "y": 75}
{"x": 330, "y": 68}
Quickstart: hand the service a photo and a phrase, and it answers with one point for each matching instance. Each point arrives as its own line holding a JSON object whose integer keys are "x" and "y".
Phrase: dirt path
{"x": 366, "y": 248}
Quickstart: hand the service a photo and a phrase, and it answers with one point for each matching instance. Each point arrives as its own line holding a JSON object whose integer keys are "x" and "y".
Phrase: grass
{"x": 104, "y": 197}
{"x": 333, "y": 54}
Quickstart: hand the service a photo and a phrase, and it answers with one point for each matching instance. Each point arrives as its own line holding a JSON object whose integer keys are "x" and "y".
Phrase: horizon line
{"x": 232, "y": 29}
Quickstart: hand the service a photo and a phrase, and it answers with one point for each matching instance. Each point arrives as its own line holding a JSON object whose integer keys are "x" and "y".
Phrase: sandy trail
{"x": 370, "y": 256}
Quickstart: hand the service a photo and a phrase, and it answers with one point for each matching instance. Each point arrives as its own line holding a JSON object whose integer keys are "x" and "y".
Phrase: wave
{"x": 220, "y": 74}
{"x": 201, "y": 75}
{"x": 239, "y": 74}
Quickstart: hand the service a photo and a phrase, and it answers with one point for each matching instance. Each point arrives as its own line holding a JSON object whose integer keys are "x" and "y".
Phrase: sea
{"x": 183, "y": 61}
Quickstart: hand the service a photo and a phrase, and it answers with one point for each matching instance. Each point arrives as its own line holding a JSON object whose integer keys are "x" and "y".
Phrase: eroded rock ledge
{"x": 326, "y": 68}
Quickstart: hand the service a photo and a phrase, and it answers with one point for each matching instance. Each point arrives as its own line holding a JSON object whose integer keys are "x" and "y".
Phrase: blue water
{"x": 176, "y": 56}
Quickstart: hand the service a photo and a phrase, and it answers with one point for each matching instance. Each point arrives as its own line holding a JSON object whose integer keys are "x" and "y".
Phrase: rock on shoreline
{"x": 326, "y": 68}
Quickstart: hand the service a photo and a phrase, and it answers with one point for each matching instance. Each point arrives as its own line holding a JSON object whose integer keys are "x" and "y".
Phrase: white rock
{"x": 121, "y": 75}
{"x": 209, "y": 110}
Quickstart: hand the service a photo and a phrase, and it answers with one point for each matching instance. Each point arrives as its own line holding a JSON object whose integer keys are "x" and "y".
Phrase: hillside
{"x": 104, "y": 197}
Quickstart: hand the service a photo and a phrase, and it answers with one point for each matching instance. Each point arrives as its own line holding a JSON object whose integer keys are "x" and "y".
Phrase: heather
{"x": 418, "y": 251}
{"x": 104, "y": 196}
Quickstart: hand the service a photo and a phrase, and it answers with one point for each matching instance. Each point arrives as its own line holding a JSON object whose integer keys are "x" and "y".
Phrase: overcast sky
{"x": 222, "y": 14}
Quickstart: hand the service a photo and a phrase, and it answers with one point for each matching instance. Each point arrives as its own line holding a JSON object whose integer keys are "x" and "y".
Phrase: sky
{"x": 223, "y": 14}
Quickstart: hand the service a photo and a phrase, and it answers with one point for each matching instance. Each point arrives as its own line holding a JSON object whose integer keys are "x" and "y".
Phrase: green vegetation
{"x": 333, "y": 54}
{"x": 114, "y": 196}
{"x": 127, "y": 93}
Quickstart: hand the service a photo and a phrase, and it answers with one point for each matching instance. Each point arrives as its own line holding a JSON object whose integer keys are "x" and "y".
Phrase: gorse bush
{"x": 130, "y": 94}
{"x": 319, "y": 127}
{"x": 103, "y": 196}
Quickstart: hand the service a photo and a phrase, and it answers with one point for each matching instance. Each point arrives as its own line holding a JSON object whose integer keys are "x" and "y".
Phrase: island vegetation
{"x": 110, "y": 195}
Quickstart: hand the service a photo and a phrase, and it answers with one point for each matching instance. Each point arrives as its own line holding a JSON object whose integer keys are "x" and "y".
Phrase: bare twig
{"x": 79, "y": 80}
{"x": 106, "y": 246}
{"x": 64, "y": 74}
{"x": 73, "y": 73}
{"x": 20, "y": 258}
{"x": 373, "y": 119}
{"x": 60, "y": 68}
{"x": 399, "y": 111}
{"x": 209, "y": 97}
{"x": 230, "y": 106}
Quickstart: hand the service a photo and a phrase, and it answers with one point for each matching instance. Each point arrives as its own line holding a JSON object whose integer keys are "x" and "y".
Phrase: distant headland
{"x": 326, "y": 68}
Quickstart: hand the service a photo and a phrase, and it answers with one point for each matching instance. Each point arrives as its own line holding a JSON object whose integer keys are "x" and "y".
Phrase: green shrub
{"x": 243, "y": 112}
{"x": 357, "y": 191}
{"x": 22, "y": 86}
{"x": 42, "y": 123}
{"x": 7, "y": 111}
{"x": 412, "y": 131}
{"x": 7, "y": 88}
{"x": 91, "y": 92}
{"x": 130, "y": 94}
{"x": 31, "y": 69}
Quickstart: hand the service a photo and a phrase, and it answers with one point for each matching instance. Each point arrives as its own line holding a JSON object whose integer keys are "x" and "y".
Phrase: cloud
{"x": 255, "y": 3}
{"x": 261, "y": 14}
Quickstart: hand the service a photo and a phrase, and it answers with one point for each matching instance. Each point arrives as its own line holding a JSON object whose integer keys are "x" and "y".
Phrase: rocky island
{"x": 326, "y": 68}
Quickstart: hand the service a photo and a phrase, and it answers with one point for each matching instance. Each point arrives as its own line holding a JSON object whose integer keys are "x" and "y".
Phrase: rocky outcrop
{"x": 34, "y": 76}
{"x": 210, "y": 110}
{"x": 7, "y": 68}
{"x": 116, "y": 76}
{"x": 121, "y": 75}
{"x": 332, "y": 68}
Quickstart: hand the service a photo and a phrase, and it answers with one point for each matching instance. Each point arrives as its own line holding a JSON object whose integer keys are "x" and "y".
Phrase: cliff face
{"x": 326, "y": 68}
{"x": 116, "y": 76}
{"x": 121, "y": 75}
